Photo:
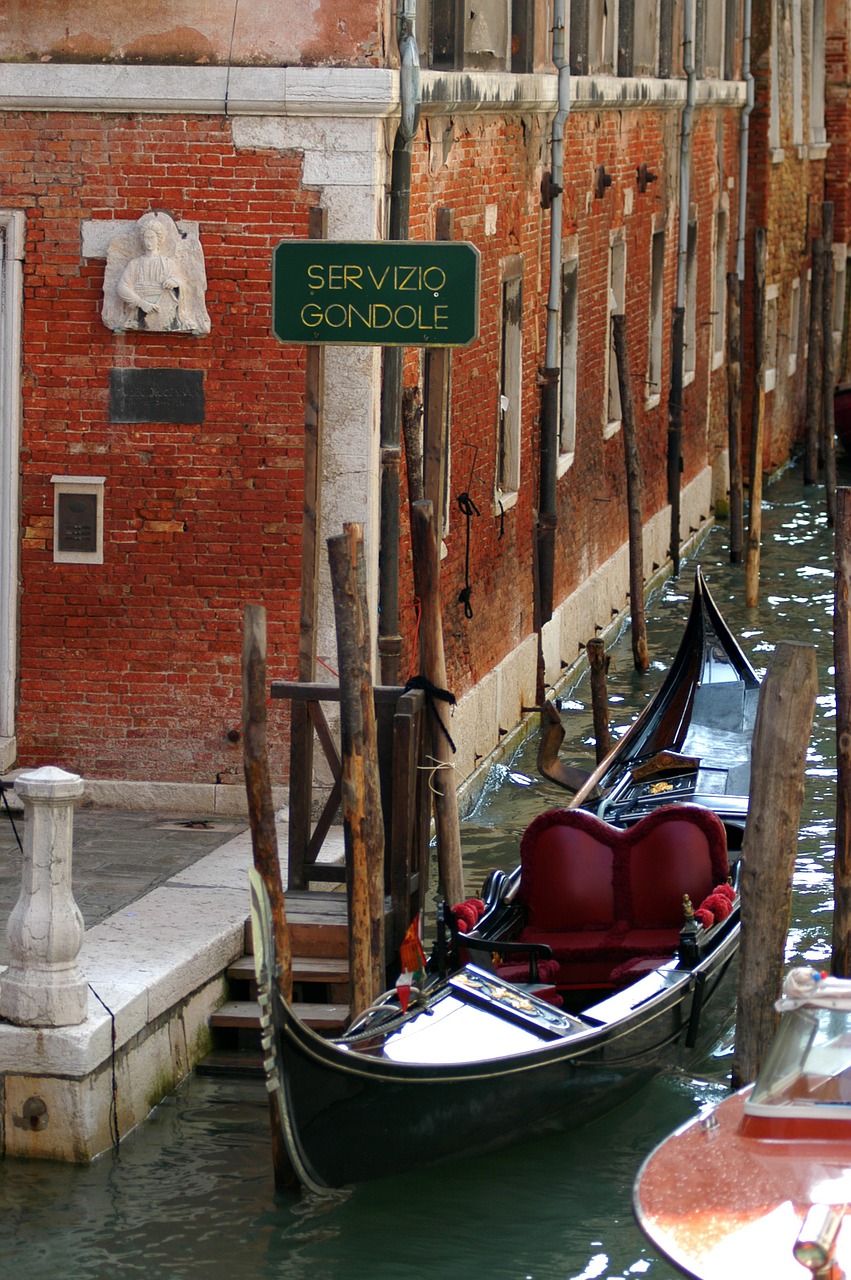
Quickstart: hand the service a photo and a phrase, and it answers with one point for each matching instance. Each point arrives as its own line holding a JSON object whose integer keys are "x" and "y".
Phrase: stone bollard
{"x": 43, "y": 985}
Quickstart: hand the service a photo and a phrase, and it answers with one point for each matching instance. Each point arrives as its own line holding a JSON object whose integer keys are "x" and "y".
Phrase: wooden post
{"x": 734, "y": 413}
{"x": 784, "y": 720}
{"x": 599, "y": 663}
{"x": 828, "y": 367}
{"x": 436, "y": 399}
{"x": 264, "y": 839}
{"x": 361, "y": 794}
{"x": 301, "y": 728}
{"x": 841, "y": 960}
{"x": 758, "y": 425}
{"x": 814, "y": 362}
{"x": 433, "y": 667}
{"x": 632, "y": 460}
{"x": 412, "y": 432}
{"x": 675, "y": 430}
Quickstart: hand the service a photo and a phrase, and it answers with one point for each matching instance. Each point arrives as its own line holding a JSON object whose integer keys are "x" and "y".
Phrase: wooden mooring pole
{"x": 784, "y": 721}
{"x": 433, "y": 668}
{"x": 841, "y": 957}
{"x": 814, "y": 363}
{"x": 758, "y": 424}
{"x": 734, "y": 413}
{"x": 632, "y": 461}
{"x": 264, "y": 838}
{"x": 828, "y": 366}
{"x": 363, "y": 824}
{"x": 599, "y": 663}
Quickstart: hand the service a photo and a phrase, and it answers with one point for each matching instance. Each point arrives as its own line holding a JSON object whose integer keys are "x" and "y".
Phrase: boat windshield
{"x": 809, "y": 1063}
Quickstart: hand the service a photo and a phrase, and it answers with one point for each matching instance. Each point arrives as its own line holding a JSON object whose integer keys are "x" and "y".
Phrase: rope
{"x": 434, "y": 768}
{"x": 468, "y": 509}
{"x": 433, "y": 694}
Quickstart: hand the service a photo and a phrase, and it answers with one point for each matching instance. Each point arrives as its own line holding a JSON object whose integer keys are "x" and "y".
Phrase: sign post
{"x": 376, "y": 292}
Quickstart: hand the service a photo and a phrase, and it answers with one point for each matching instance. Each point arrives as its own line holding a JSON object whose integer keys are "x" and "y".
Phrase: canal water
{"x": 190, "y": 1193}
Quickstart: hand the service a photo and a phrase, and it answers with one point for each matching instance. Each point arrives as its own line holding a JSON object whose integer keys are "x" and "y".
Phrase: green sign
{"x": 387, "y": 293}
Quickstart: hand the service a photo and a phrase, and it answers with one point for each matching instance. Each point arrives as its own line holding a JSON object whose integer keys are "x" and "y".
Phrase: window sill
{"x": 565, "y": 462}
{"x": 503, "y": 502}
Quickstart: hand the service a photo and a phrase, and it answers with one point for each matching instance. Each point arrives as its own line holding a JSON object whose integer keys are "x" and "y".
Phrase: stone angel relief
{"x": 155, "y": 279}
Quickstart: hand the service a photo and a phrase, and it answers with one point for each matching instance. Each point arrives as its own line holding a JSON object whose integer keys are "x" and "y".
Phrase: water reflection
{"x": 191, "y": 1194}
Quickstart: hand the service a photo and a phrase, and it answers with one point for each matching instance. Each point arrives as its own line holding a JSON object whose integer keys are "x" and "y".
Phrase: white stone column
{"x": 43, "y": 986}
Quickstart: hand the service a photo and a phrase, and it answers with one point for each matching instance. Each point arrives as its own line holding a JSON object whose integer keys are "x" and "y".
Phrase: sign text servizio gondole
{"x": 376, "y": 293}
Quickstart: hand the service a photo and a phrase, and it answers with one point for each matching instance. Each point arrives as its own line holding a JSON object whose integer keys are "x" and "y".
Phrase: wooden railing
{"x": 400, "y": 723}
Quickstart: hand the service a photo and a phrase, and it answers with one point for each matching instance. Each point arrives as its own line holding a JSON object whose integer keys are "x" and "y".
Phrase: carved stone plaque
{"x": 156, "y": 395}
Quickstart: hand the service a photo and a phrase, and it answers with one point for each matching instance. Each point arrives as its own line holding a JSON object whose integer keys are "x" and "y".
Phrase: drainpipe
{"x": 389, "y": 640}
{"x": 743, "y": 141}
{"x": 675, "y": 397}
{"x": 552, "y": 197}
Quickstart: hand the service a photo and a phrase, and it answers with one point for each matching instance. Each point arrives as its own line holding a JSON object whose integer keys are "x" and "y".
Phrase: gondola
{"x": 493, "y": 1047}
{"x": 691, "y": 743}
{"x": 575, "y": 978}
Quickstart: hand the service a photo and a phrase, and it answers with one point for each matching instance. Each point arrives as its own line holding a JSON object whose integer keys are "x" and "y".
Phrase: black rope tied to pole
{"x": 468, "y": 510}
{"x": 433, "y": 694}
{"x": 3, "y": 787}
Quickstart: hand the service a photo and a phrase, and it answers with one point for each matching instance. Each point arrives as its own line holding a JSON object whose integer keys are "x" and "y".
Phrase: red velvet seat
{"x": 601, "y": 897}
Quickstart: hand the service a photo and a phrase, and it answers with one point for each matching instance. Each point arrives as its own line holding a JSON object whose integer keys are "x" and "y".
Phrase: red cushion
{"x": 577, "y": 872}
{"x": 566, "y": 871}
{"x": 683, "y": 852}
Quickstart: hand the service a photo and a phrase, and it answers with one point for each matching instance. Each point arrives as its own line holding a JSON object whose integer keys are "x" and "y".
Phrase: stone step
{"x": 330, "y": 969}
{"x": 244, "y": 1015}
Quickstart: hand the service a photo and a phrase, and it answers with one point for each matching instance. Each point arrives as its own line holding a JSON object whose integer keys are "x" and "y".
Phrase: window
{"x": 797, "y": 77}
{"x": 719, "y": 301}
{"x": 817, "y": 130}
{"x": 644, "y": 15}
{"x": 710, "y": 21}
{"x": 594, "y": 37}
{"x": 731, "y": 21}
{"x": 493, "y": 35}
{"x": 769, "y": 380}
{"x": 78, "y": 519}
{"x": 690, "y": 327}
{"x": 617, "y": 289}
{"x": 569, "y": 348}
{"x": 657, "y": 288}
{"x": 774, "y": 71}
{"x": 671, "y": 38}
{"x": 794, "y": 327}
{"x": 511, "y": 381}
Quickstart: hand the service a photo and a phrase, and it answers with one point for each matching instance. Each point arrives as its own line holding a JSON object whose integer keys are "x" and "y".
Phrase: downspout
{"x": 389, "y": 640}
{"x": 743, "y": 141}
{"x": 550, "y": 375}
{"x": 675, "y": 398}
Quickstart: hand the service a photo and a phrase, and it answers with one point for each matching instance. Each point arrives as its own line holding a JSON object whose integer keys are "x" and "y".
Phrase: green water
{"x": 190, "y": 1193}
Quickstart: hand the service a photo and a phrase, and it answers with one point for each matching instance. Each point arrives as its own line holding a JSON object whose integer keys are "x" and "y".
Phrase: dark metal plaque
{"x": 78, "y": 522}
{"x": 156, "y": 395}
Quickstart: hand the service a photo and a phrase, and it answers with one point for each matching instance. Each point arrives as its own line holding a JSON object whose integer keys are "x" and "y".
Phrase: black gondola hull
{"x": 357, "y": 1117}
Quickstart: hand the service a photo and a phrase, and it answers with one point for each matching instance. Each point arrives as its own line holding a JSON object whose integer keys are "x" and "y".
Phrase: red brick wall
{"x": 131, "y": 668}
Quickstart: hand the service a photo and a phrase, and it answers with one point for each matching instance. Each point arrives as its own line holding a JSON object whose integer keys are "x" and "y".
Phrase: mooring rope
{"x": 433, "y": 694}
{"x": 468, "y": 510}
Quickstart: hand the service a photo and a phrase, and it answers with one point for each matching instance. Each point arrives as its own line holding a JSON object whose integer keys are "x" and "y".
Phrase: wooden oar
{"x": 549, "y": 764}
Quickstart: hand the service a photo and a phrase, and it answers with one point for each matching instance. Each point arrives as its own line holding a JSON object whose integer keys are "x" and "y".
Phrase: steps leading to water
{"x": 318, "y": 927}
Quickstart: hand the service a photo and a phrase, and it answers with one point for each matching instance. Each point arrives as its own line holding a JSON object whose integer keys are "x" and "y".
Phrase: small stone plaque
{"x": 156, "y": 395}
